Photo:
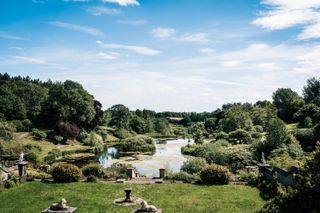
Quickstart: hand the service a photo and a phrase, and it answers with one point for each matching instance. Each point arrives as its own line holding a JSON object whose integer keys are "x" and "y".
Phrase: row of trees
{"x": 47, "y": 104}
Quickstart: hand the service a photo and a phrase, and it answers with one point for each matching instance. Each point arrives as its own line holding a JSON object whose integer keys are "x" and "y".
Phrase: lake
{"x": 167, "y": 155}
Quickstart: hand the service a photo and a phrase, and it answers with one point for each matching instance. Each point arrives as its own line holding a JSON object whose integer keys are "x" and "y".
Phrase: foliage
{"x": 162, "y": 126}
{"x": 92, "y": 179}
{"x": 182, "y": 176}
{"x": 215, "y": 174}
{"x": 93, "y": 169}
{"x": 39, "y": 134}
{"x": 310, "y": 110}
{"x": 193, "y": 165}
{"x": 122, "y": 133}
{"x": 22, "y": 126}
{"x": 276, "y": 135}
{"x": 197, "y": 132}
{"x": 236, "y": 117}
{"x": 287, "y": 102}
{"x": 240, "y": 136}
{"x": 67, "y": 130}
{"x": 239, "y": 156}
{"x": 312, "y": 90}
{"x": 137, "y": 143}
{"x": 251, "y": 178}
{"x": 94, "y": 140}
{"x": 304, "y": 195}
{"x": 307, "y": 138}
{"x": 32, "y": 156}
{"x": 6, "y": 131}
{"x": 65, "y": 173}
{"x": 120, "y": 116}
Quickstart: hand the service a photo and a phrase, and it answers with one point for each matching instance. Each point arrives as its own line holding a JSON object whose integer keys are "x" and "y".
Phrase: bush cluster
{"x": 65, "y": 173}
{"x": 215, "y": 174}
{"x": 93, "y": 170}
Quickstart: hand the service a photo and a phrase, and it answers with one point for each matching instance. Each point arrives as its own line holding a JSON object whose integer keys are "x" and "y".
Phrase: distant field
{"x": 98, "y": 197}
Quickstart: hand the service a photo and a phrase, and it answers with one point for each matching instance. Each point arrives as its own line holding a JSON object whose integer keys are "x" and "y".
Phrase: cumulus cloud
{"x": 80, "y": 28}
{"x": 137, "y": 49}
{"x": 122, "y": 2}
{"x": 99, "y": 11}
{"x": 160, "y": 32}
{"x": 282, "y": 14}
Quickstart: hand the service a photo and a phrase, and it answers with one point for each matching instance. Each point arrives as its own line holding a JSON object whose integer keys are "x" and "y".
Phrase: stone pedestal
{"x": 138, "y": 211}
{"x": 22, "y": 168}
{"x": 162, "y": 173}
{"x": 131, "y": 173}
{"x": 69, "y": 210}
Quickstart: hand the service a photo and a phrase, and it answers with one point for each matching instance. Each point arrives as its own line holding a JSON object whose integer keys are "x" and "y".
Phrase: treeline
{"x": 52, "y": 105}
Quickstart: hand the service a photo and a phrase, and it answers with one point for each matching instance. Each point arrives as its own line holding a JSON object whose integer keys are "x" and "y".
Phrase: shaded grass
{"x": 98, "y": 197}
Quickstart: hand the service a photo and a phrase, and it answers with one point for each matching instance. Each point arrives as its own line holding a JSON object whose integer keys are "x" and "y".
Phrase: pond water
{"x": 167, "y": 155}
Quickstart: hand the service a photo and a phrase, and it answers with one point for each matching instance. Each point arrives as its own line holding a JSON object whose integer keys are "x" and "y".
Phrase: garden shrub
{"x": 239, "y": 156}
{"x": 94, "y": 140}
{"x": 215, "y": 174}
{"x": 6, "y": 131}
{"x": 67, "y": 130}
{"x": 32, "y": 157}
{"x": 182, "y": 176}
{"x": 9, "y": 184}
{"x": 65, "y": 173}
{"x": 93, "y": 169}
{"x": 92, "y": 179}
{"x": 38, "y": 134}
{"x": 240, "y": 136}
{"x": 58, "y": 139}
{"x": 137, "y": 143}
{"x": 193, "y": 165}
{"x": 122, "y": 133}
{"x": 251, "y": 178}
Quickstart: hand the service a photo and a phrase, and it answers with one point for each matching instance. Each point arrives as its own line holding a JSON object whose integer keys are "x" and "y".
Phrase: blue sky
{"x": 181, "y": 55}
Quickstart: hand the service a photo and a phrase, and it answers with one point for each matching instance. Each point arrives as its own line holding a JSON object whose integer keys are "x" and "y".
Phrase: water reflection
{"x": 167, "y": 155}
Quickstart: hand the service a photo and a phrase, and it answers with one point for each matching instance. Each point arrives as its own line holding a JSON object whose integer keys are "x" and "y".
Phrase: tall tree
{"x": 287, "y": 102}
{"x": 311, "y": 90}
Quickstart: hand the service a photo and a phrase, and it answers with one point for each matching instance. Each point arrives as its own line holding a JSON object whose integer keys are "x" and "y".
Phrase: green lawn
{"x": 98, "y": 197}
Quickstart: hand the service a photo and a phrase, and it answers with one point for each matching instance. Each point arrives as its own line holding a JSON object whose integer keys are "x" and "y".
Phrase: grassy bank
{"x": 91, "y": 197}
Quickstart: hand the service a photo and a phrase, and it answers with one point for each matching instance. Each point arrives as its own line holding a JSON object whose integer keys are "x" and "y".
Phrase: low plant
{"x": 215, "y": 174}
{"x": 65, "y": 173}
{"x": 93, "y": 169}
{"x": 193, "y": 165}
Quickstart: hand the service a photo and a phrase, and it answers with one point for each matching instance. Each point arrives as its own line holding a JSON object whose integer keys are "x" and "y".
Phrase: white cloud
{"x": 15, "y": 48}
{"x": 134, "y": 22}
{"x": 122, "y": 2}
{"x": 80, "y": 28}
{"x": 282, "y": 14}
{"x": 9, "y": 36}
{"x": 39, "y": 1}
{"x": 194, "y": 37}
{"x": 207, "y": 50}
{"x": 160, "y": 32}
{"x": 106, "y": 56}
{"x": 137, "y": 49}
{"x": 232, "y": 63}
{"x": 182, "y": 82}
{"x": 76, "y": 0}
{"x": 29, "y": 60}
{"x": 98, "y": 11}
